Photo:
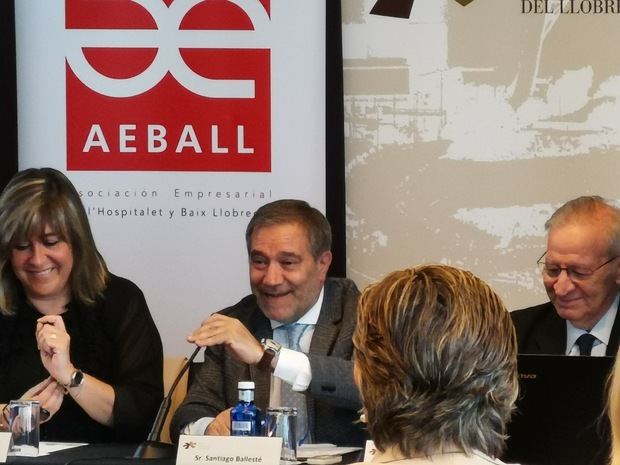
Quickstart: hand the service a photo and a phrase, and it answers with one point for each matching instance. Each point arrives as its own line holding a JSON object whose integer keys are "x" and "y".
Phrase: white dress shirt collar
{"x": 602, "y": 332}
{"x": 310, "y": 317}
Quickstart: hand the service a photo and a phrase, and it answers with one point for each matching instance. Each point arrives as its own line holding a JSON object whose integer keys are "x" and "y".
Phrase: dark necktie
{"x": 585, "y": 342}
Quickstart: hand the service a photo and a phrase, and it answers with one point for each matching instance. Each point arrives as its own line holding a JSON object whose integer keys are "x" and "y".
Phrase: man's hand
{"x": 219, "y": 329}
{"x": 220, "y": 426}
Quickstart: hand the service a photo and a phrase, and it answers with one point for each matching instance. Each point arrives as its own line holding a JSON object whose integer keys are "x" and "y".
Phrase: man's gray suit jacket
{"x": 540, "y": 330}
{"x": 332, "y": 398}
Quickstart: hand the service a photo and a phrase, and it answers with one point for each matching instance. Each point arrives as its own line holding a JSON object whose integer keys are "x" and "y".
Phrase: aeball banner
{"x": 175, "y": 120}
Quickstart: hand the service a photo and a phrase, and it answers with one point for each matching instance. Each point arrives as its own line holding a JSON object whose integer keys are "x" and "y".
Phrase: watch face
{"x": 271, "y": 345}
{"x": 78, "y": 378}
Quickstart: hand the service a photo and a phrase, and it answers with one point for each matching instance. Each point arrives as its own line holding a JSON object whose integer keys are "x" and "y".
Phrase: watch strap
{"x": 264, "y": 363}
{"x": 272, "y": 349}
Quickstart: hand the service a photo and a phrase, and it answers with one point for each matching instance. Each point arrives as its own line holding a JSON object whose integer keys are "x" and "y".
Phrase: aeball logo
{"x": 168, "y": 85}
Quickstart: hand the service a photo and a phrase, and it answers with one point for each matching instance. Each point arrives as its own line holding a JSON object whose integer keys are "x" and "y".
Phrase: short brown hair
{"x": 435, "y": 360}
{"x": 37, "y": 197}
{"x": 287, "y": 211}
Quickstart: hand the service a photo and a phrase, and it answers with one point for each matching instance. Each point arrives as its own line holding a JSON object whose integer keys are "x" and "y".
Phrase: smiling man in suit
{"x": 292, "y": 336}
{"x": 581, "y": 274}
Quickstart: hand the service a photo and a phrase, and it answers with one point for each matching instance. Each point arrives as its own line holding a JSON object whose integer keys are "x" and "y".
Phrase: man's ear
{"x": 324, "y": 261}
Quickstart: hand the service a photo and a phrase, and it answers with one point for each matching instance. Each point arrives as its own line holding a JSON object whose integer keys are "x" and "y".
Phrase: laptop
{"x": 560, "y": 417}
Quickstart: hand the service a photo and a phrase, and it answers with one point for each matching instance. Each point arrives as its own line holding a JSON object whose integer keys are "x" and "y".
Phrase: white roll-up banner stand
{"x": 175, "y": 120}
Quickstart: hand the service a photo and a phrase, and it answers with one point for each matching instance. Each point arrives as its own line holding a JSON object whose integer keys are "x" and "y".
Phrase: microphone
{"x": 153, "y": 448}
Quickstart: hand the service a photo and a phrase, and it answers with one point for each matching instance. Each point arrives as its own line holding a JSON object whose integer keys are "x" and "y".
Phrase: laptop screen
{"x": 560, "y": 417}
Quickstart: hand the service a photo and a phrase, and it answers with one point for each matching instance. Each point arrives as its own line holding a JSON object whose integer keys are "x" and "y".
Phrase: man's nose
{"x": 273, "y": 275}
{"x": 563, "y": 284}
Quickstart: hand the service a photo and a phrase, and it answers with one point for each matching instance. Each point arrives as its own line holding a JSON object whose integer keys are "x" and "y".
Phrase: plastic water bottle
{"x": 245, "y": 416}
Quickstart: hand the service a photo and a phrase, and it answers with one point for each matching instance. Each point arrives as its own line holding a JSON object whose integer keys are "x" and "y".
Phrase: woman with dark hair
{"x": 436, "y": 364}
{"x": 73, "y": 336}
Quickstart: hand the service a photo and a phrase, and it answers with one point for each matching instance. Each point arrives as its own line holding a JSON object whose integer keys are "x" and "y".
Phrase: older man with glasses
{"x": 581, "y": 273}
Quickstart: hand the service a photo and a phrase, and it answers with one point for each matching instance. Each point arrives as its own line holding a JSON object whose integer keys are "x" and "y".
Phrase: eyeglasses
{"x": 574, "y": 273}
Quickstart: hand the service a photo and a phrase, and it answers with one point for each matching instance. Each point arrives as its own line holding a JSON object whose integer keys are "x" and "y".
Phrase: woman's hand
{"x": 49, "y": 394}
{"x": 53, "y": 342}
{"x": 93, "y": 395}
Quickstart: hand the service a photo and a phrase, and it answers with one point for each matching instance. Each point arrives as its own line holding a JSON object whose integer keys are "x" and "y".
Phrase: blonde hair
{"x": 613, "y": 410}
{"x": 435, "y": 361}
{"x": 37, "y": 197}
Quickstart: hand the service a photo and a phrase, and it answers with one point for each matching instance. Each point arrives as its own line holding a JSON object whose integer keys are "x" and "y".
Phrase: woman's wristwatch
{"x": 77, "y": 379}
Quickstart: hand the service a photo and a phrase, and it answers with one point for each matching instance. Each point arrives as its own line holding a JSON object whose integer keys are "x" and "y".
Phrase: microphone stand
{"x": 153, "y": 448}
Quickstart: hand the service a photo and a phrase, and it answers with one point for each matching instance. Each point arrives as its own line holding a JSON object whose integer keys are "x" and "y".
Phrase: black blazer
{"x": 541, "y": 331}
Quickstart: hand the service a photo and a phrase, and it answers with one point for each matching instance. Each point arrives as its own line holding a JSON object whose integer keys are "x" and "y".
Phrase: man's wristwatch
{"x": 77, "y": 379}
{"x": 272, "y": 349}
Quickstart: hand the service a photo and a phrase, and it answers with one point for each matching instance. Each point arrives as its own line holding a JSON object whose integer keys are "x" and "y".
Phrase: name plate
{"x": 369, "y": 451}
{"x": 227, "y": 450}
{"x": 5, "y": 442}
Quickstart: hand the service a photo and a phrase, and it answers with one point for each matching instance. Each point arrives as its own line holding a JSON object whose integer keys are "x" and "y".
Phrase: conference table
{"x": 110, "y": 454}
{"x": 99, "y": 454}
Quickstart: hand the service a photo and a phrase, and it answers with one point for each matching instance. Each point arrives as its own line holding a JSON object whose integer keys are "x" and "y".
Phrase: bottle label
{"x": 241, "y": 428}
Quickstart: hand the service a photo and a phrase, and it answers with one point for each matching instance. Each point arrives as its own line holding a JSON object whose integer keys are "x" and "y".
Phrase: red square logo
{"x": 168, "y": 85}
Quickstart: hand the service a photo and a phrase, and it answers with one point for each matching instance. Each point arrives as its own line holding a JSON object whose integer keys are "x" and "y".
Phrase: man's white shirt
{"x": 601, "y": 330}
